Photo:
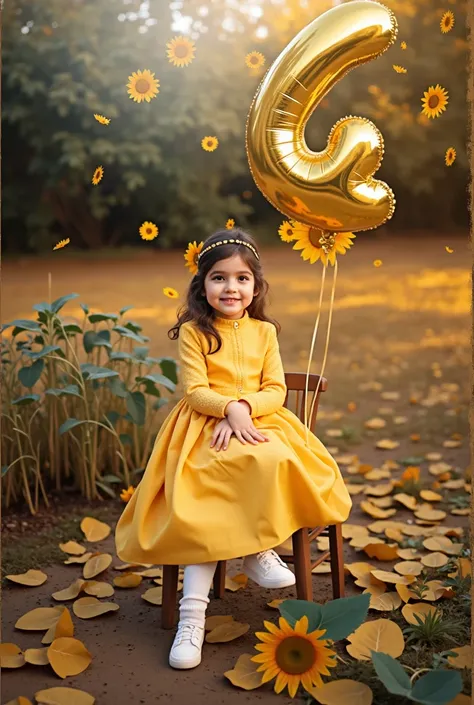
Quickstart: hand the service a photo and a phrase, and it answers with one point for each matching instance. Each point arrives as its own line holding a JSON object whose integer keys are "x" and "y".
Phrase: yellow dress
{"x": 195, "y": 504}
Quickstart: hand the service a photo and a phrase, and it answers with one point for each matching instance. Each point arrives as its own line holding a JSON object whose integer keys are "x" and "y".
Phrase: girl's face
{"x": 229, "y": 287}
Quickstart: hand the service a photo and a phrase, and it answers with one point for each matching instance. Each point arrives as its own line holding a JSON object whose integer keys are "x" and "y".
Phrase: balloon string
{"x": 315, "y": 330}
{"x": 331, "y": 307}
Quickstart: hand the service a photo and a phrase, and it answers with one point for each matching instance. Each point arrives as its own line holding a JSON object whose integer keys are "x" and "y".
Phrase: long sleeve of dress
{"x": 271, "y": 396}
{"x": 194, "y": 376}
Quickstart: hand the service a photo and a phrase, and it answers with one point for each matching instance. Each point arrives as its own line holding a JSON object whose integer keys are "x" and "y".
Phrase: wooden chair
{"x": 301, "y": 539}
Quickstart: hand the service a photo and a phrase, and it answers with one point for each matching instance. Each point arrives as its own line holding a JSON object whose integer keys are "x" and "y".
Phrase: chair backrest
{"x": 296, "y": 382}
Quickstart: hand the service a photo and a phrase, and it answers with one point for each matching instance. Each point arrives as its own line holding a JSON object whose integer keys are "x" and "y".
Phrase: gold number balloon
{"x": 333, "y": 190}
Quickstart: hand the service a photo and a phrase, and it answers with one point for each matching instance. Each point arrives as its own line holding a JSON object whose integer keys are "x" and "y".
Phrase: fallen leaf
{"x": 366, "y": 580}
{"x": 150, "y": 573}
{"x": 407, "y": 500}
{"x": 394, "y": 535}
{"x": 436, "y": 589}
{"x": 128, "y": 580}
{"x": 233, "y": 585}
{"x": 363, "y": 540}
{"x": 387, "y": 444}
{"x": 38, "y": 657}
{"x": 399, "y": 420}
{"x": 79, "y": 559}
{"x": 461, "y": 512}
{"x": 451, "y": 444}
{"x": 73, "y": 548}
{"x": 378, "y": 527}
{"x": 380, "y": 490}
{"x": 442, "y": 543}
{"x": 375, "y": 423}
{"x": 20, "y": 700}
{"x": 351, "y": 530}
{"x": 227, "y": 632}
{"x": 98, "y": 588}
{"x": 382, "y": 502}
{"x": 390, "y": 396}
{"x": 213, "y": 622}
{"x": 433, "y": 456}
{"x": 380, "y": 635}
{"x": 39, "y": 619}
{"x": 95, "y": 530}
{"x": 430, "y": 496}
{"x": 405, "y": 592}
{"x": 375, "y": 590}
{"x": 408, "y": 554}
{"x": 88, "y": 607}
{"x": 387, "y": 577}
{"x": 11, "y": 656}
{"x": 342, "y": 692}
{"x": 434, "y": 560}
{"x": 439, "y": 468}
{"x": 97, "y": 564}
{"x": 408, "y": 568}
{"x": 463, "y": 659}
{"x": 275, "y": 604}
{"x": 419, "y": 608}
{"x": 63, "y": 696}
{"x": 68, "y": 656}
{"x": 32, "y": 578}
{"x": 154, "y": 595}
{"x": 70, "y": 592}
{"x": 377, "y": 474}
{"x": 355, "y": 489}
{"x": 375, "y": 512}
{"x": 322, "y": 568}
{"x": 358, "y": 569}
{"x": 382, "y": 551}
{"x": 244, "y": 674}
{"x": 430, "y": 514}
{"x": 386, "y": 602}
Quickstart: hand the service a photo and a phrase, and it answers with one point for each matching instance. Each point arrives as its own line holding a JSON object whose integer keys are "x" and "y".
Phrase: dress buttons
{"x": 236, "y": 325}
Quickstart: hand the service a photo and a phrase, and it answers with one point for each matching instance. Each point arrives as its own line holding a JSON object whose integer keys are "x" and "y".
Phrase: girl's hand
{"x": 222, "y": 433}
{"x": 242, "y": 425}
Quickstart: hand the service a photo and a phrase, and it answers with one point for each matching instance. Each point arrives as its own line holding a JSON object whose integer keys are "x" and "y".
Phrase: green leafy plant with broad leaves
{"x": 338, "y": 617}
{"x": 78, "y": 399}
{"x": 435, "y": 687}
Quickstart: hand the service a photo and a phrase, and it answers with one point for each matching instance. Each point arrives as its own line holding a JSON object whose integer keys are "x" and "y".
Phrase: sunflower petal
{"x": 301, "y": 626}
{"x": 281, "y": 682}
{"x": 293, "y": 683}
{"x": 270, "y": 674}
{"x": 272, "y": 628}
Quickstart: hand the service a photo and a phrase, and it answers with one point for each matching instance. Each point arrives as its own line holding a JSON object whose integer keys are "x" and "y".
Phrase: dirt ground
{"x": 403, "y": 327}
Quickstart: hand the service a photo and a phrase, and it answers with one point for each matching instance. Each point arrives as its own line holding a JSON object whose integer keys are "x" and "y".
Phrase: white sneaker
{"x": 187, "y": 646}
{"x": 268, "y": 570}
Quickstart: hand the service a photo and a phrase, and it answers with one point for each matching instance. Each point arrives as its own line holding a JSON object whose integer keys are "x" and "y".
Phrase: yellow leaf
{"x": 378, "y": 527}
{"x": 244, "y": 674}
{"x": 377, "y": 474}
{"x": 451, "y": 444}
{"x": 231, "y": 584}
{"x": 150, "y": 573}
{"x": 435, "y": 560}
{"x": 63, "y": 627}
{"x": 11, "y": 656}
{"x": 96, "y": 564}
{"x": 461, "y": 512}
{"x": 73, "y": 548}
{"x": 375, "y": 590}
{"x": 323, "y": 543}
{"x": 419, "y": 608}
{"x": 380, "y": 635}
{"x": 407, "y": 500}
{"x": 454, "y": 484}
{"x": 390, "y": 396}
{"x": 322, "y": 568}
{"x": 394, "y": 534}
{"x": 375, "y": 512}
{"x": 442, "y": 543}
{"x": 436, "y": 589}
{"x": 38, "y": 657}
{"x": 366, "y": 580}
{"x": 153, "y": 595}
{"x": 463, "y": 659}
{"x": 433, "y": 456}
{"x": 63, "y": 696}
{"x": 240, "y": 578}
{"x": 342, "y": 692}
{"x": 439, "y": 468}
{"x": 68, "y": 656}
{"x": 358, "y": 569}
{"x": 355, "y": 489}
{"x": 275, "y": 604}
{"x": 213, "y": 622}
{"x": 363, "y": 540}
{"x": 382, "y": 502}
{"x": 375, "y": 423}
{"x": 387, "y": 577}
{"x": 88, "y": 607}
{"x": 408, "y": 568}
{"x": 380, "y": 490}
{"x": 32, "y": 578}
{"x": 387, "y": 444}
{"x": 129, "y": 580}
{"x": 79, "y": 559}
{"x": 351, "y": 530}
{"x": 408, "y": 554}
{"x": 430, "y": 496}
{"x": 95, "y": 530}
{"x": 40, "y": 618}
{"x": 227, "y": 632}
{"x": 382, "y": 551}
{"x": 98, "y": 588}
{"x": 71, "y": 592}
{"x": 20, "y": 700}
{"x": 405, "y": 592}
{"x": 399, "y": 420}
{"x": 430, "y": 514}
{"x": 386, "y": 602}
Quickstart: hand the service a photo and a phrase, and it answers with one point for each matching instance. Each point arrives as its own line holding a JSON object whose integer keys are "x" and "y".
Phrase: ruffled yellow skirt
{"x": 195, "y": 504}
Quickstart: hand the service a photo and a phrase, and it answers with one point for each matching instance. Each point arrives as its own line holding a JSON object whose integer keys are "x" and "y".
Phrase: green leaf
{"x": 126, "y": 333}
{"x": 68, "y": 425}
{"x": 98, "y": 317}
{"x": 92, "y": 340}
{"x": 136, "y": 407}
{"x": 85, "y": 308}
{"x": 105, "y": 489}
{"x": 159, "y": 403}
{"x": 126, "y": 439}
{"x": 71, "y": 329}
{"x": 341, "y": 617}
{"x": 113, "y": 416}
{"x": 413, "y": 460}
{"x": 112, "y": 479}
{"x": 27, "y": 399}
{"x": 117, "y": 387}
{"x": 22, "y": 324}
{"x": 59, "y": 303}
{"x": 158, "y": 379}
{"x": 44, "y": 308}
{"x": 125, "y": 309}
{"x": 293, "y": 610}
{"x": 140, "y": 353}
{"x": 437, "y": 687}
{"x": 70, "y": 390}
{"x": 150, "y": 388}
{"x": 91, "y": 372}
{"x": 169, "y": 368}
{"x": 30, "y": 374}
{"x": 121, "y": 355}
{"x": 45, "y": 351}
{"x": 391, "y": 673}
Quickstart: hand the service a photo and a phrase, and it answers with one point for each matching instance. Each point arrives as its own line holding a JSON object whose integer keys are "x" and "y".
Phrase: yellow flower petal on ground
{"x": 450, "y": 156}
{"x": 254, "y": 60}
{"x": 68, "y": 657}
{"x": 143, "y": 86}
{"x": 342, "y": 692}
{"x": 447, "y": 22}
{"x": 103, "y": 120}
{"x": 148, "y": 230}
{"x": 244, "y": 674}
{"x": 11, "y": 656}
{"x": 95, "y": 530}
{"x": 170, "y": 293}
{"x": 463, "y": 658}
{"x": 209, "y": 144}
{"x": 98, "y": 174}
{"x": 62, "y": 696}
{"x": 380, "y": 635}
{"x": 434, "y": 101}
{"x": 181, "y": 51}
{"x": 32, "y": 578}
{"x": 419, "y": 608}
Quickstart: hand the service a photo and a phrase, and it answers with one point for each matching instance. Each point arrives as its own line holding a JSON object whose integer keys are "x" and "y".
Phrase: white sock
{"x": 196, "y": 586}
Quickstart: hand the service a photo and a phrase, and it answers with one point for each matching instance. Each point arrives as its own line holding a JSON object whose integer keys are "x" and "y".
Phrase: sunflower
{"x": 434, "y": 101}
{"x": 293, "y": 656}
{"x": 148, "y": 231}
{"x": 286, "y": 231}
{"x": 403, "y": 45}
{"x": 143, "y": 86}
{"x": 61, "y": 243}
{"x": 98, "y": 174}
{"x": 230, "y": 224}
{"x": 254, "y": 60}
{"x": 450, "y": 156}
{"x": 311, "y": 241}
{"x": 170, "y": 293}
{"x": 399, "y": 69}
{"x": 180, "y": 51}
{"x": 125, "y": 495}
{"x": 209, "y": 143}
{"x": 100, "y": 118}
{"x": 378, "y": 262}
{"x": 447, "y": 22}
{"x": 191, "y": 256}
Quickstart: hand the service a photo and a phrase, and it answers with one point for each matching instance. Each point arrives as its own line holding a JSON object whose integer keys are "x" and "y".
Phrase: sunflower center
{"x": 210, "y": 143}
{"x": 181, "y": 51}
{"x": 289, "y": 231}
{"x": 433, "y": 101}
{"x": 295, "y": 655}
{"x": 254, "y": 59}
{"x": 148, "y": 231}
{"x": 142, "y": 85}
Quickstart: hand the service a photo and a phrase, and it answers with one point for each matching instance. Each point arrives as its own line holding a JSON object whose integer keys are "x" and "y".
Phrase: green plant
{"x": 431, "y": 628}
{"x": 79, "y": 400}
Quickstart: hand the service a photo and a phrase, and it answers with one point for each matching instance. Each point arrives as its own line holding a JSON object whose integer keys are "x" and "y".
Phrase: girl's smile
{"x": 229, "y": 287}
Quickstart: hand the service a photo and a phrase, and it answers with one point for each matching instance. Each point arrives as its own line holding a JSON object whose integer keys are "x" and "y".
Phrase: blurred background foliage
{"x": 63, "y": 62}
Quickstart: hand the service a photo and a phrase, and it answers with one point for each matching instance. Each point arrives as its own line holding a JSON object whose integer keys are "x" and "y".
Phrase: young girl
{"x": 230, "y": 474}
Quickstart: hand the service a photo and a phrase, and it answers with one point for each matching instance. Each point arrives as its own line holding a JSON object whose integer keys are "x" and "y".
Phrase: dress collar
{"x": 227, "y": 323}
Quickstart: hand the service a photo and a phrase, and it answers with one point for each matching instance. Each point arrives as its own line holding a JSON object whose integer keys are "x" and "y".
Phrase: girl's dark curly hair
{"x": 198, "y": 309}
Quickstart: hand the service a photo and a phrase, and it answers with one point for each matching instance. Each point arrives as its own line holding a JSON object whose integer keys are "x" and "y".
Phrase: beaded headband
{"x": 226, "y": 242}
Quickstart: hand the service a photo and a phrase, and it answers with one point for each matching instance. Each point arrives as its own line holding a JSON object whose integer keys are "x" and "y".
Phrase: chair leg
{"x": 219, "y": 579}
{"x": 170, "y": 591}
{"x": 337, "y": 560}
{"x": 302, "y": 563}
